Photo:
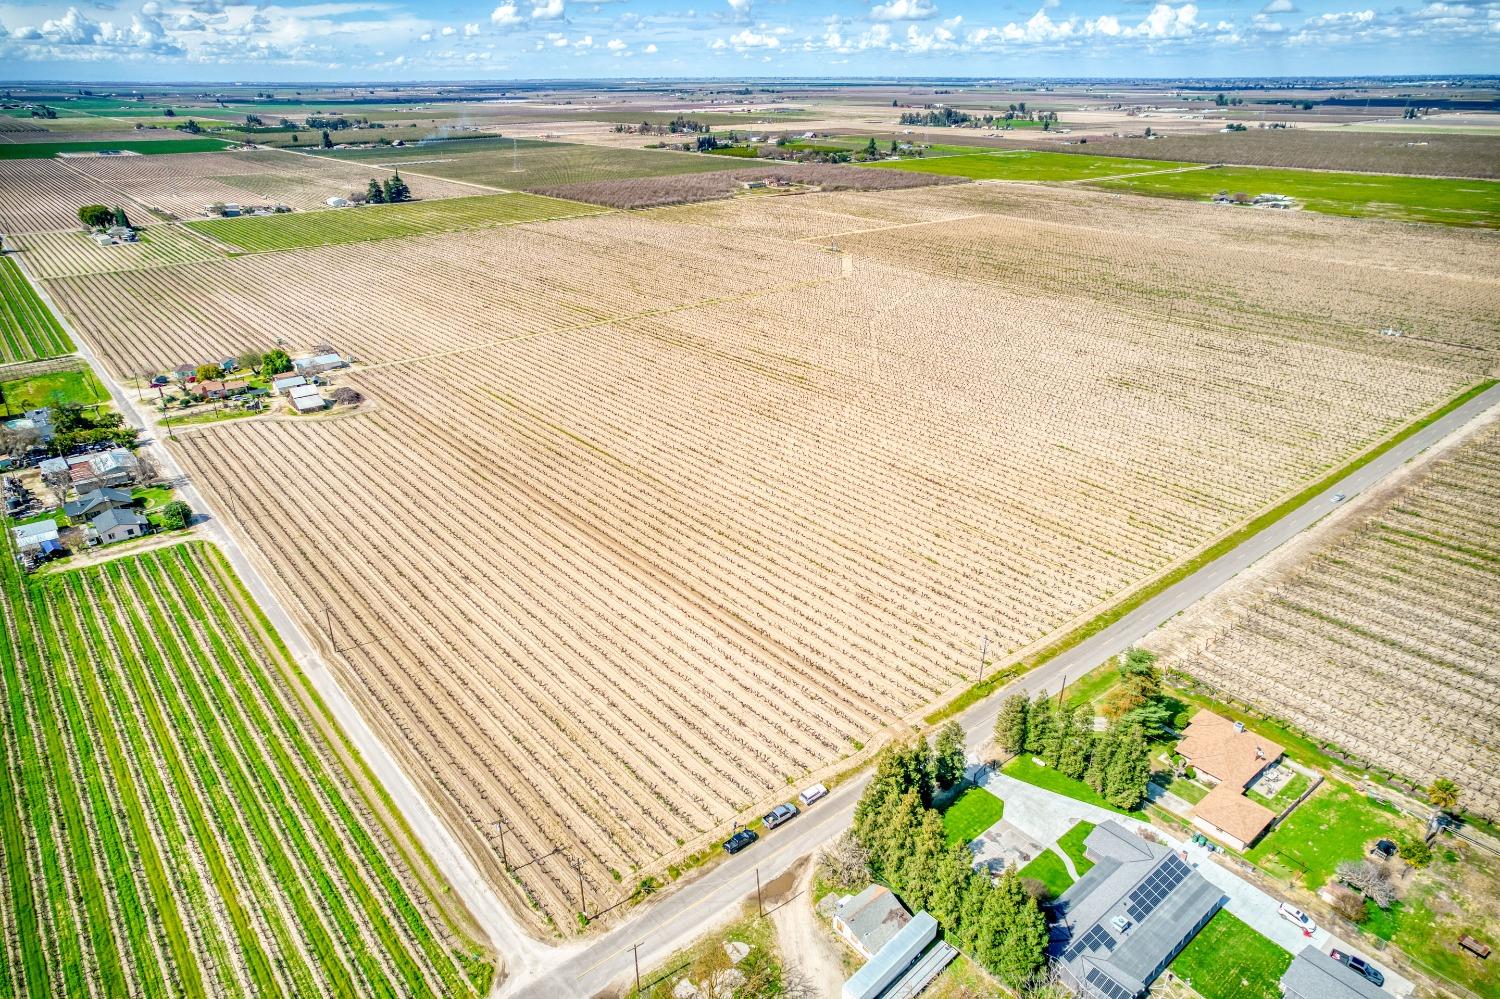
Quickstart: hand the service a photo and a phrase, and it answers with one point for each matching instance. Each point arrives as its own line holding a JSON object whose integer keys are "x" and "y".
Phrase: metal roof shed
{"x": 893, "y": 959}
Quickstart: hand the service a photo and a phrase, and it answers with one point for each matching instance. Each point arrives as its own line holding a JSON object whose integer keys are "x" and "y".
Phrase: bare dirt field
{"x": 1382, "y": 641}
{"x": 45, "y": 195}
{"x": 182, "y": 184}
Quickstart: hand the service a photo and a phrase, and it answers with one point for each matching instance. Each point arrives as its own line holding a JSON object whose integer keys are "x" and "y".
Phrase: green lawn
{"x": 1335, "y": 824}
{"x": 1407, "y": 199}
{"x": 1071, "y": 843}
{"x": 55, "y": 389}
{"x": 152, "y": 499}
{"x": 1026, "y": 165}
{"x": 1229, "y": 960}
{"x": 1092, "y": 685}
{"x": 28, "y": 330}
{"x": 1021, "y": 768}
{"x": 350, "y": 225}
{"x": 1048, "y": 868}
{"x": 149, "y": 147}
{"x": 971, "y": 813}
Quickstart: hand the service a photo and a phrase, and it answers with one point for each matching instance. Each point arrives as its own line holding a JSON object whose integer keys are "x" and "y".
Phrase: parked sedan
{"x": 780, "y": 814}
{"x": 1356, "y": 963}
{"x": 739, "y": 841}
{"x": 1297, "y": 918}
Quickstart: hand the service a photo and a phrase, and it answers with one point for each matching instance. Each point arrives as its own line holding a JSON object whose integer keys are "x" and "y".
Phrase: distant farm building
{"x": 307, "y": 399}
{"x": 37, "y": 538}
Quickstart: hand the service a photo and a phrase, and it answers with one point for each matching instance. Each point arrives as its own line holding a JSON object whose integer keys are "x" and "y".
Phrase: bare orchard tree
{"x": 145, "y": 468}
{"x": 59, "y": 482}
{"x": 1044, "y": 983}
{"x": 845, "y": 863}
{"x": 19, "y": 440}
{"x": 1368, "y": 878}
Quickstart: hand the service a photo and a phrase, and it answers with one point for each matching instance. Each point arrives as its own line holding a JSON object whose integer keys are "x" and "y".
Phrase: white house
{"x": 117, "y": 525}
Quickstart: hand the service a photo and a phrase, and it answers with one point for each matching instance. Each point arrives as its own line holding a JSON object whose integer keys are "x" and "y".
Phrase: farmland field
{"x": 61, "y": 254}
{"x": 654, "y": 514}
{"x": 366, "y": 222}
{"x": 41, "y": 150}
{"x": 28, "y": 330}
{"x": 1400, "y": 616}
{"x": 77, "y": 385}
{"x": 526, "y": 164}
{"x": 1405, "y": 199}
{"x": 1431, "y": 155}
{"x": 45, "y": 195}
{"x": 1024, "y": 165}
{"x": 173, "y": 820}
{"x": 183, "y": 185}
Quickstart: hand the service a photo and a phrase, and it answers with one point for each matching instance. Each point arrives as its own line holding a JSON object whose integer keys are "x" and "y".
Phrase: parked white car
{"x": 1297, "y": 918}
{"x": 812, "y": 794}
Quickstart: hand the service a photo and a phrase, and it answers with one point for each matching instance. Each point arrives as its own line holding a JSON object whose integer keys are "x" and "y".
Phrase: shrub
{"x": 1180, "y": 720}
{"x": 1414, "y": 850}
{"x": 176, "y": 515}
{"x": 1348, "y": 904}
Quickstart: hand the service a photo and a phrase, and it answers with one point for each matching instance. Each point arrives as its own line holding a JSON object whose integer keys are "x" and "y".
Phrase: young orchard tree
{"x": 949, "y": 756}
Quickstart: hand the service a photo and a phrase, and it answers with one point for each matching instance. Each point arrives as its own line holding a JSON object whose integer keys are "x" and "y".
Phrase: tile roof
{"x": 1224, "y": 751}
{"x": 1227, "y": 808}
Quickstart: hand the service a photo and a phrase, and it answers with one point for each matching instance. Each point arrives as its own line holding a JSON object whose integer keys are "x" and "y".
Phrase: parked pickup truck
{"x": 739, "y": 841}
{"x": 780, "y": 814}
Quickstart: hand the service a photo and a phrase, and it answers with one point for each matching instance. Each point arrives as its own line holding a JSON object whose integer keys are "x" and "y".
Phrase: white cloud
{"x": 470, "y": 30}
{"x": 448, "y": 29}
{"x": 616, "y": 45}
{"x": 71, "y": 29}
{"x": 740, "y": 6}
{"x": 425, "y": 36}
{"x": 506, "y": 16}
{"x": 1279, "y": 7}
{"x": 650, "y": 49}
{"x": 586, "y": 42}
{"x": 903, "y": 10}
{"x": 750, "y": 39}
{"x": 549, "y": 10}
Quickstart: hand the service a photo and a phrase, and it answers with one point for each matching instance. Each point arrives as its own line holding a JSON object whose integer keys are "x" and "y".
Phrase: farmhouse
{"x": 1316, "y": 975}
{"x": 116, "y": 525}
{"x": 218, "y": 389}
{"x": 904, "y": 965}
{"x": 38, "y": 421}
{"x": 868, "y": 920}
{"x": 1226, "y": 754}
{"x": 40, "y": 537}
{"x": 1123, "y": 922}
{"x": 91, "y": 504}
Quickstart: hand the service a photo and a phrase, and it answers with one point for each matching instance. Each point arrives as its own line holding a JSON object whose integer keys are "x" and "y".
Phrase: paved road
{"x": 667, "y": 925}
{"x": 522, "y": 954}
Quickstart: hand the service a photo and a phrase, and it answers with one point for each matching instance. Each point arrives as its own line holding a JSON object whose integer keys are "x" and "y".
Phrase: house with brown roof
{"x": 1230, "y": 756}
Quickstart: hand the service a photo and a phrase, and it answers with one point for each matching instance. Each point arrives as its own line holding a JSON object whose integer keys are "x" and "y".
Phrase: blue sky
{"x": 218, "y": 40}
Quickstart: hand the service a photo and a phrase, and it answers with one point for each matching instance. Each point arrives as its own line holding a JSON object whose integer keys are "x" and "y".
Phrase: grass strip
{"x": 1214, "y": 551}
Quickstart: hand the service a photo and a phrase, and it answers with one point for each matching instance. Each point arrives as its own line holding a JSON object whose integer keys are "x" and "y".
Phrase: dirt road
{"x": 805, "y": 945}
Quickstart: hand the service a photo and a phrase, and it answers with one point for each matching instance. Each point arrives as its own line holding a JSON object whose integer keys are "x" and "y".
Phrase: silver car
{"x": 780, "y": 814}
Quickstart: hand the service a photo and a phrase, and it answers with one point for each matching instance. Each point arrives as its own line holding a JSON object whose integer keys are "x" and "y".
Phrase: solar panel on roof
{"x": 1141, "y": 902}
{"x": 1097, "y": 938}
{"x": 1106, "y": 986}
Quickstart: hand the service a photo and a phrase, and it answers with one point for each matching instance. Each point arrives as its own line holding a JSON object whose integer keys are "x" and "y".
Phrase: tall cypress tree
{"x": 1074, "y": 758}
{"x": 1010, "y": 726}
{"x": 1099, "y": 760}
{"x": 948, "y": 756}
{"x": 1041, "y": 723}
{"x": 375, "y": 194}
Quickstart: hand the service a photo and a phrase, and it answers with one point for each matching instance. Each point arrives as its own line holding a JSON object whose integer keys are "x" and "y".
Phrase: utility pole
{"x": 635, "y": 950}
{"x": 1061, "y": 689}
{"x": 759, "y": 906}
{"x": 984, "y": 650}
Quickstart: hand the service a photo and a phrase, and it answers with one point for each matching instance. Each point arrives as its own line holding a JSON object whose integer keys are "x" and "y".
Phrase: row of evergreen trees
{"x": 1116, "y": 763}
{"x": 996, "y": 923}
{"x": 394, "y": 192}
